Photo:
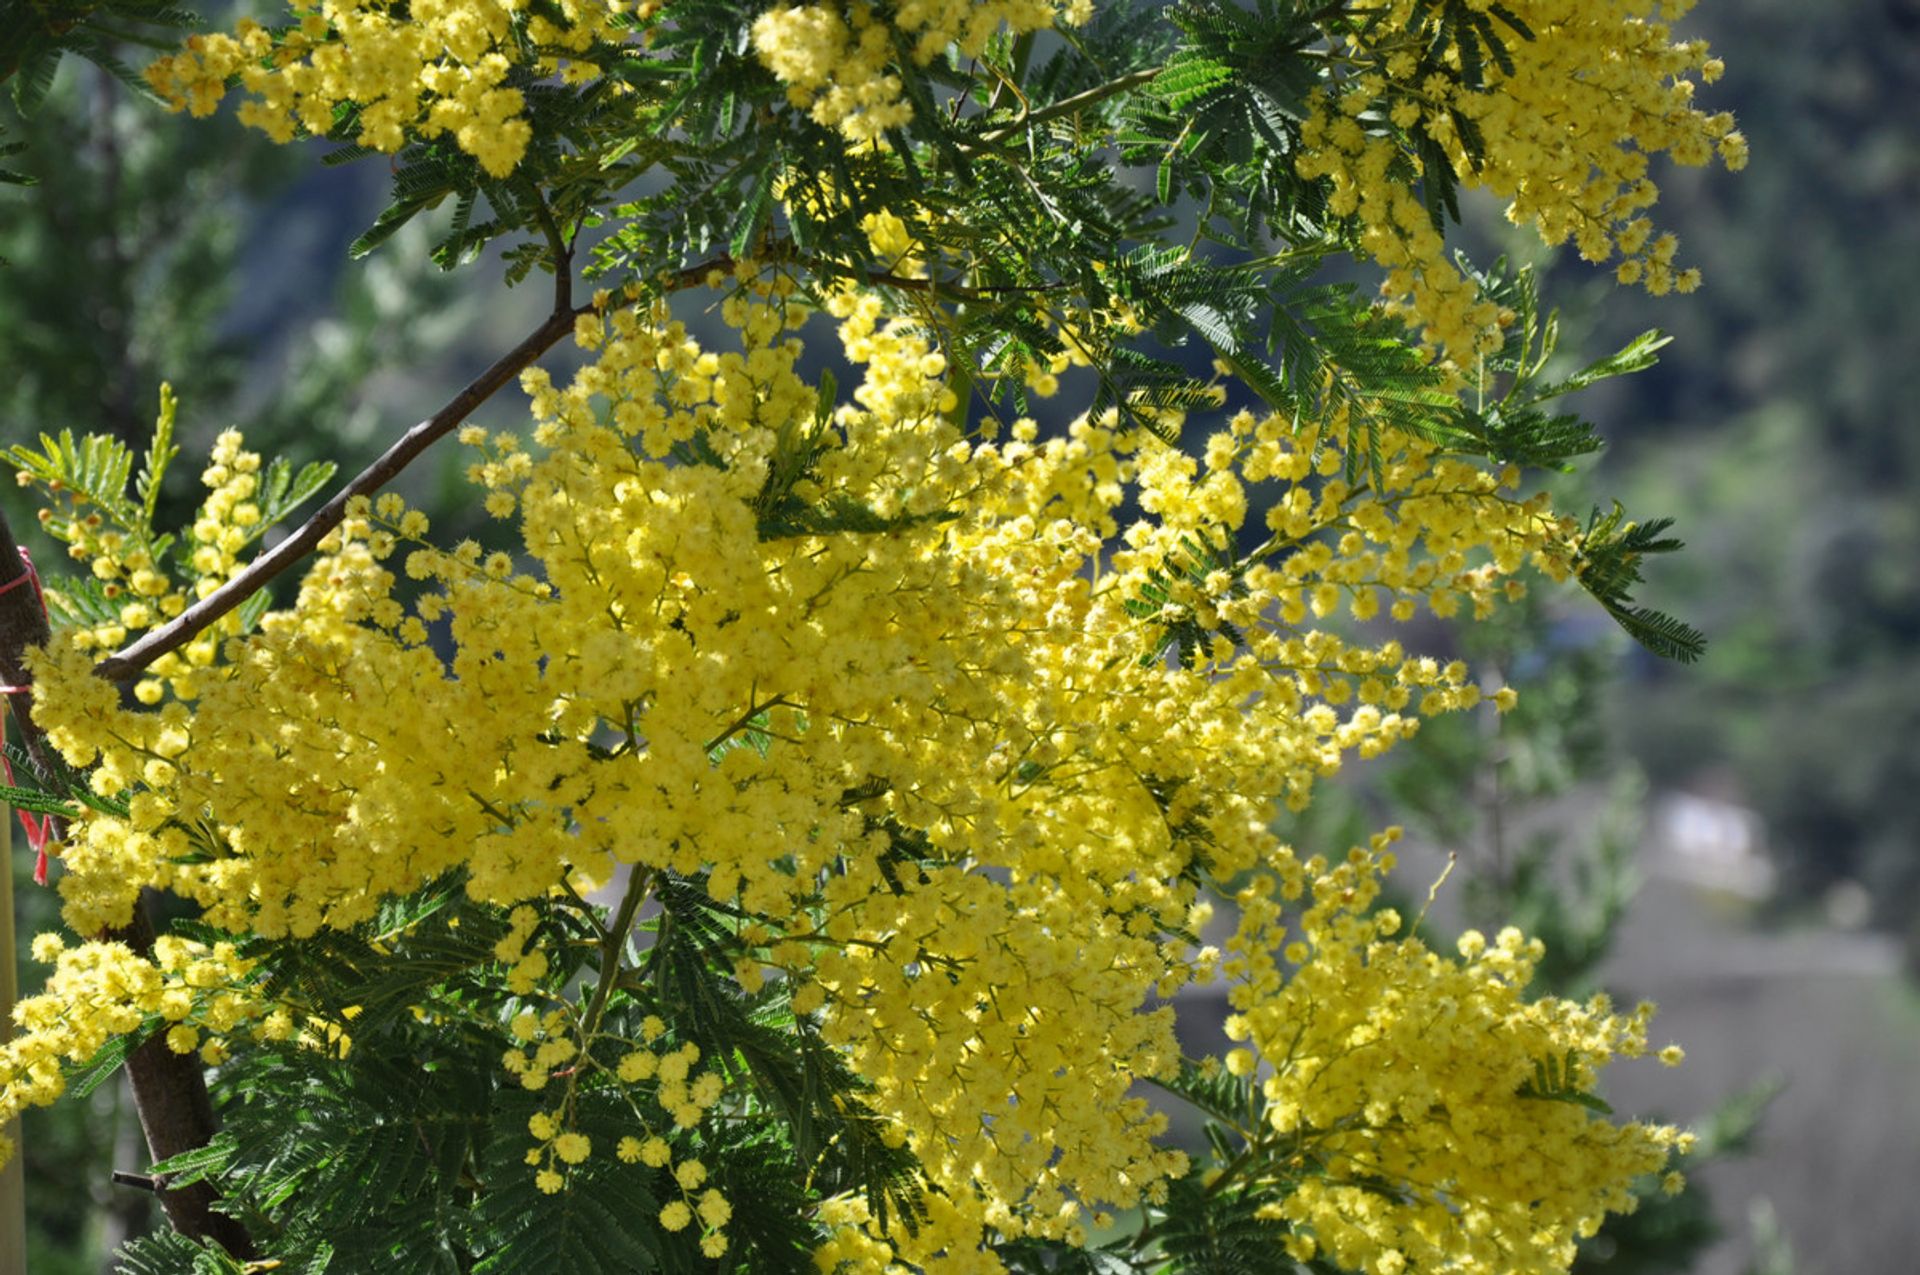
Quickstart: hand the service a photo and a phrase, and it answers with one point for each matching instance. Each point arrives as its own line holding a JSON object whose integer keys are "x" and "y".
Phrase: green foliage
{"x": 38, "y": 33}
{"x": 167, "y": 1252}
{"x": 95, "y": 472}
{"x": 796, "y": 1078}
{"x": 35, "y": 35}
{"x": 780, "y": 510}
{"x": 603, "y": 1221}
{"x": 1334, "y": 352}
{"x": 11, "y": 176}
{"x": 1203, "y": 1229}
{"x": 353, "y": 975}
{"x": 1609, "y": 568}
{"x": 36, "y": 801}
{"x": 1513, "y": 427}
{"x": 1559, "y": 1079}
{"x": 698, "y": 91}
{"x": 57, "y": 788}
{"x": 1180, "y": 628}
{"x": 1221, "y": 122}
{"x": 92, "y": 475}
{"x": 406, "y": 1152}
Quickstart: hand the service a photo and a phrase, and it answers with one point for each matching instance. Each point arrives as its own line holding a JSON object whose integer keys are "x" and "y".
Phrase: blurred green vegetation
{"x": 1784, "y": 437}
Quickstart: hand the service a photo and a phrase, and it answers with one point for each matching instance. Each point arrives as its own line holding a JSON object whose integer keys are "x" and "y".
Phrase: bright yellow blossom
{"x": 1075, "y": 715}
{"x": 1592, "y": 91}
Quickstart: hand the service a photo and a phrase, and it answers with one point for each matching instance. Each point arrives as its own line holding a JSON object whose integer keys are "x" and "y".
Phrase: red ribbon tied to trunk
{"x": 39, "y": 827}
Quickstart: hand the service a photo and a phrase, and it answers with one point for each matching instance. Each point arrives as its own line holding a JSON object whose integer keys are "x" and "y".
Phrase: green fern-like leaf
{"x": 772, "y": 1231}
{"x": 606, "y": 1218}
{"x": 1608, "y": 567}
{"x": 800, "y": 1079}
{"x": 282, "y": 490}
{"x": 366, "y": 1158}
{"x": 198, "y": 1164}
{"x": 35, "y": 802}
{"x": 103, "y": 1066}
{"x": 94, "y": 468}
{"x": 1557, "y": 1078}
{"x": 1220, "y": 1233}
{"x": 167, "y": 1252}
{"x": 1216, "y": 1092}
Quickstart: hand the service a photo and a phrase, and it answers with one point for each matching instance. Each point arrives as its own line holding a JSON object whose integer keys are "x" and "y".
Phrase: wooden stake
{"x": 13, "y": 1178}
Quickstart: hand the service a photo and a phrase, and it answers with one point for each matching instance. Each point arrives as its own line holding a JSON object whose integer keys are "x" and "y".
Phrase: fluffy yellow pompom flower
{"x": 423, "y": 70}
{"x": 1391, "y": 1062}
{"x": 860, "y": 619}
{"x": 1562, "y": 125}
{"x": 835, "y": 59}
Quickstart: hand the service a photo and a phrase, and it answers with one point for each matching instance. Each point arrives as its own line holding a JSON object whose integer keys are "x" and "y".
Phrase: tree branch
{"x": 169, "y": 1089}
{"x": 176, "y": 1115}
{"x": 136, "y": 656}
{"x": 132, "y": 659}
{"x": 782, "y": 251}
{"x": 23, "y": 624}
{"x": 1073, "y": 105}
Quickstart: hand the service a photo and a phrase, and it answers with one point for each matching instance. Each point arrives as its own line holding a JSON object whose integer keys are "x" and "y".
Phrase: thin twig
{"x": 176, "y": 633}
{"x": 613, "y": 943}
{"x": 1072, "y": 105}
{"x": 169, "y": 1089}
{"x": 781, "y": 251}
{"x": 561, "y": 246}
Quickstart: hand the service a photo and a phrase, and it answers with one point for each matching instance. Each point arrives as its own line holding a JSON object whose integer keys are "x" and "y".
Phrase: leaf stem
{"x": 1072, "y": 105}
{"x": 134, "y": 658}
{"x": 612, "y": 940}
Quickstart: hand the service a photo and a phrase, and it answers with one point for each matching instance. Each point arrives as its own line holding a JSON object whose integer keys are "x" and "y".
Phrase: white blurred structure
{"x": 1709, "y": 842}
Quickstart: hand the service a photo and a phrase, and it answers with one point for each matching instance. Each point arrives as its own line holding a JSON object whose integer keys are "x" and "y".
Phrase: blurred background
{"x": 1738, "y": 840}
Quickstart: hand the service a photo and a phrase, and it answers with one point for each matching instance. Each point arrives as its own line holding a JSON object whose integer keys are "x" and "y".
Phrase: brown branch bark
{"x": 23, "y": 624}
{"x": 169, "y": 1089}
{"x": 133, "y": 658}
{"x": 176, "y": 1114}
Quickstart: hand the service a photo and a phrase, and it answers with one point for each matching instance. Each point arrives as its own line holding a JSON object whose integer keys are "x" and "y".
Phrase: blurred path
{"x": 1826, "y": 1010}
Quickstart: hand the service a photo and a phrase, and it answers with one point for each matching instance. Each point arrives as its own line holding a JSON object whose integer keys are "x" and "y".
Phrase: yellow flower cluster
{"x": 905, "y": 695}
{"x": 125, "y": 561}
{"x": 1567, "y": 133}
{"x": 100, "y": 990}
{"x": 436, "y": 68}
{"x": 1384, "y": 1062}
{"x": 561, "y": 1044}
{"x": 418, "y": 70}
{"x": 836, "y": 59}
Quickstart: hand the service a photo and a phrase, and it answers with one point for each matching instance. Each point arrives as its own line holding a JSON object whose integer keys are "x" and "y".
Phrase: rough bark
{"x": 169, "y": 1089}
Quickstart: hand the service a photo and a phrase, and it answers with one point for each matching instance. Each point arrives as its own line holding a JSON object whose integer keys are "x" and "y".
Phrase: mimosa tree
{"x": 785, "y": 848}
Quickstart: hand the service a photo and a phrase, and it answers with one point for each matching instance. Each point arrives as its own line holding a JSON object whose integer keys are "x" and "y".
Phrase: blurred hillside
{"x": 1782, "y": 432}
{"x": 1820, "y": 1012}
